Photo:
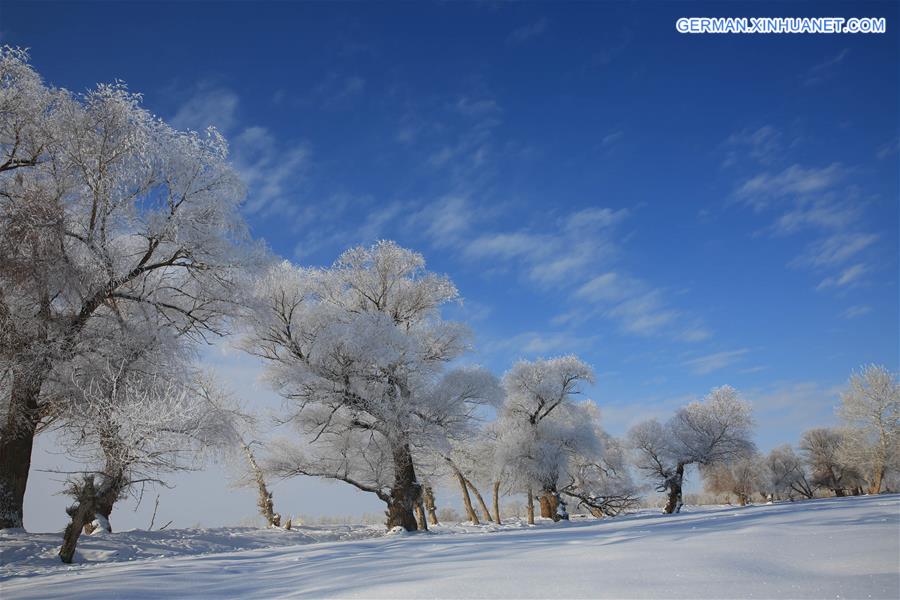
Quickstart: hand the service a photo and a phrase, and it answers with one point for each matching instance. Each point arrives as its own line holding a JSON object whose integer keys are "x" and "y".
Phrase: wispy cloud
{"x": 835, "y": 249}
{"x": 849, "y": 276}
{"x": 762, "y": 144}
{"x": 575, "y": 244}
{"x": 612, "y": 138}
{"x": 703, "y": 365}
{"x": 336, "y": 89}
{"x": 888, "y": 149}
{"x": 540, "y": 343}
{"x": 476, "y": 107}
{"x": 527, "y": 32}
{"x": 759, "y": 191}
{"x": 207, "y": 106}
{"x": 825, "y": 69}
{"x": 856, "y": 311}
{"x": 822, "y": 201}
{"x": 272, "y": 170}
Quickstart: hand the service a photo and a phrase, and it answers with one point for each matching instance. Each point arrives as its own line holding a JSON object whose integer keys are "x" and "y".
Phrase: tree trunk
{"x": 16, "y": 444}
{"x": 875, "y": 488}
{"x": 467, "y": 501}
{"x": 546, "y": 511}
{"x": 405, "y": 492}
{"x": 429, "y": 505}
{"x": 264, "y": 500}
{"x": 420, "y": 516}
{"x": 530, "y": 507}
{"x": 82, "y": 512}
{"x": 552, "y": 506}
{"x": 484, "y": 509}
{"x": 497, "y": 503}
{"x": 109, "y": 494}
{"x": 673, "y": 504}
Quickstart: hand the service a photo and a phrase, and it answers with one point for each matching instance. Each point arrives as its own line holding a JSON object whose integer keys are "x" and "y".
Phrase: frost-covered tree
{"x": 870, "y": 407}
{"x": 786, "y": 474}
{"x": 597, "y": 476}
{"x": 106, "y": 214}
{"x": 742, "y": 478}
{"x": 541, "y": 426}
{"x": 716, "y": 430}
{"x": 822, "y": 451}
{"x": 138, "y": 423}
{"x": 359, "y": 351}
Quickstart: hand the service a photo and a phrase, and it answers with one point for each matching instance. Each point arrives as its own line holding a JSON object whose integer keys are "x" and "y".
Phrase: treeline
{"x": 123, "y": 251}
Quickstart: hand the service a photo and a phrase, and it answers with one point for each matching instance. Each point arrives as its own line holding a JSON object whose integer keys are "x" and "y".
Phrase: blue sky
{"x": 682, "y": 211}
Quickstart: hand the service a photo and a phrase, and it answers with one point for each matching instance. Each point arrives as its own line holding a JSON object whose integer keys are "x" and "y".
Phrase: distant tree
{"x": 597, "y": 477}
{"x": 821, "y": 448}
{"x": 541, "y": 426}
{"x": 870, "y": 407}
{"x": 359, "y": 352}
{"x": 704, "y": 433}
{"x": 786, "y": 474}
{"x": 741, "y": 478}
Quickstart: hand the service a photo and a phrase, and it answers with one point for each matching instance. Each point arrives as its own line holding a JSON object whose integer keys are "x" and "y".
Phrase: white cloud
{"x": 795, "y": 180}
{"x": 817, "y": 200}
{"x": 762, "y": 145}
{"x": 704, "y": 365}
{"x": 272, "y": 169}
{"x": 825, "y": 69}
{"x": 445, "y": 221}
{"x": 476, "y": 108}
{"x": 606, "y": 287}
{"x": 856, "y": 311}
{"x": 888, "y": 149}
{"x": 593, "y": 218}
{"x": 540, "y": 343}
{"x": 207, "y": 106}
{"x": 645, "y": 314}
{"x": 506, "y": 245}
{"x": 835, "y": 249}
{"x": 849, "y": 276}
{"x": 822, "y": 213}
{"x": 337, "y": 89}
{"x": 527, "y": 32}
{"x": 610, "y": 139}
{"x": 273, "y": 172}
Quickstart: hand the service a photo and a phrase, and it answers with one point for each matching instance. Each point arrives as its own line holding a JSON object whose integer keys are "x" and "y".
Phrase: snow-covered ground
{"x": 836, "y": 548}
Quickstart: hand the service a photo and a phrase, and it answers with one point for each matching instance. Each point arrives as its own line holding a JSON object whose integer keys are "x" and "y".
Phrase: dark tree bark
{"x": 674, "y": 501}
{"x": 877, "y": 480}
{"x": 544, "y": 502}
{"x": 420, "y": 516}
{"x": 429, "y": 505}
{"x": 110, "y": 492}
{"x": 16, "y": 444}
{"x": 497, "y": 503}
{"x": 552, "y": 506}
{"x": 405, "y": 491}
{"x": 81, "y": 512}
{"x": 264, "y": 501}
{"x": 530, "y": 507}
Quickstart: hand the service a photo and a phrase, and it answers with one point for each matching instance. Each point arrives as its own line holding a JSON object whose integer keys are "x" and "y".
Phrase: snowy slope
{"x": 837, "y": 548}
